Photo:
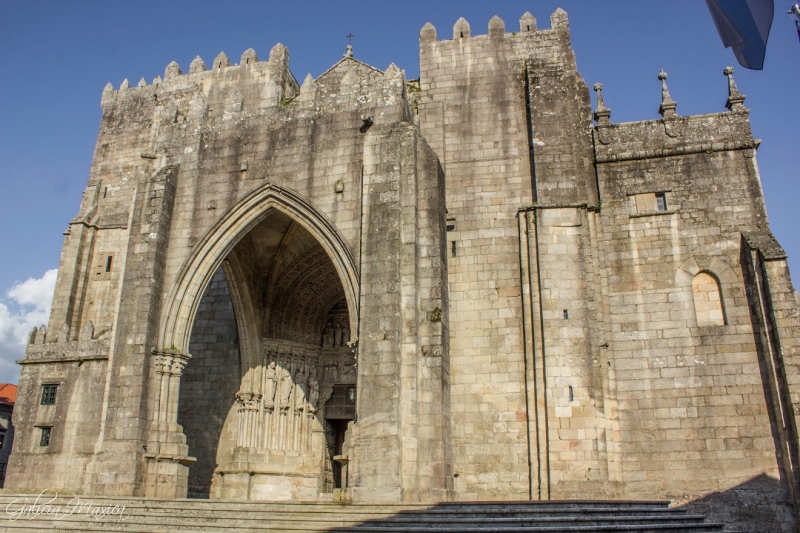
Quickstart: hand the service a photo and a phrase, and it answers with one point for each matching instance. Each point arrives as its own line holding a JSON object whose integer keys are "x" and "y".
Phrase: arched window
{"x": 707, "y": 300}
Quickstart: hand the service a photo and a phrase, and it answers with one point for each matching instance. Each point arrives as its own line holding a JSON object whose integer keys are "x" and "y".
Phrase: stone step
{"x": 441, "y": 521}
{"x": 143, "y": 515}
{"x": 84, "y": 527}
{"x": 270, "y": 507}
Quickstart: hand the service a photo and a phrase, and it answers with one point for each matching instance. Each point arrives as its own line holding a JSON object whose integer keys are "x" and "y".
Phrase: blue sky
{"x": 59, "y": 56}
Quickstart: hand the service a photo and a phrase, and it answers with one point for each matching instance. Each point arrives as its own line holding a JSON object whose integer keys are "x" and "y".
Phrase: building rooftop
{"x": 8, "y": 393}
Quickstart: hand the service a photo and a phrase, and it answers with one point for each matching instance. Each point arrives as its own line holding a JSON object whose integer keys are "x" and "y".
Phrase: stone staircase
{"x": 139, "y": 515}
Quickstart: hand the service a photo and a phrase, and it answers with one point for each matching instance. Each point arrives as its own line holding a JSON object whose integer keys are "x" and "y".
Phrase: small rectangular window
{"x": 103, "y": 264}
{"x": 49, "y": 394}
{"x": 661, "y": 201}
{"x": 45, "y": 438}
{"x": 453, "y": 248}
{"x": 649, "y": 203}
{"x": 566, "y": 314}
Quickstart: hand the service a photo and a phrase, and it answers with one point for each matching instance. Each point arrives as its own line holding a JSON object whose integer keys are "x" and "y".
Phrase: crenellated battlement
{"x": 254, "y": 84}
{"x": 275, "y": 69}
{"x": 559, "y": 23}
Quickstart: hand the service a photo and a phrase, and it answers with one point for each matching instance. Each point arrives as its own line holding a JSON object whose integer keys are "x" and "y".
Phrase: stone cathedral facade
{"x": 464, "y": 287}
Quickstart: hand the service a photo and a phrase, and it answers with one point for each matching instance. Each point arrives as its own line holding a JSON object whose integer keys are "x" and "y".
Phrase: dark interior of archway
{"x": 291, "y": 283}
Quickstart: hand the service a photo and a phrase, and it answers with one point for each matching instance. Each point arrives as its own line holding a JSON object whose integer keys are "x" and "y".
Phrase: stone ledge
{"x": 653, "y": 213}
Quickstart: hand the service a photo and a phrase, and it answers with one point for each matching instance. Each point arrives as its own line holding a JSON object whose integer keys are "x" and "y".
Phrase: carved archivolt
{"x": 304, "y": 293}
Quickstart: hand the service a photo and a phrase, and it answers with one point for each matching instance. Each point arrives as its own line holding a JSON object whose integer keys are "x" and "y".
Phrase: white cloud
{"x": 27, "y": 305}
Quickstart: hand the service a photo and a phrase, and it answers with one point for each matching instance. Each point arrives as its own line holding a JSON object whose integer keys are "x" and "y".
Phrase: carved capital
{"x": 171, "y": 363}
{"x": 248, "y": 401}
{"x": 179, "y": 362}
{"x": 162, "y": 362}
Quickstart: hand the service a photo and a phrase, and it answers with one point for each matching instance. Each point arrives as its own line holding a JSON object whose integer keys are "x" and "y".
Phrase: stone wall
{"x": 692, "y": 413}
{"x": 78, "y": 370}
{"x": 471, "y": 113}
{"x": 207, "y": 407}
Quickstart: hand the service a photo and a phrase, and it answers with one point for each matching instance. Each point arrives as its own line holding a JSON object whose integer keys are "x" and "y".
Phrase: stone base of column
{"x": 167, "y": 462}
{"x": 111, "y": 473}
{"x": 167, "y": 476}
{"x": 268, "y": 476}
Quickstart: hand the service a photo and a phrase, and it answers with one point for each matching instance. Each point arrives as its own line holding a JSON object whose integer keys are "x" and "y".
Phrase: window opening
{"x": 661, "y": 201}
{"x": 571, "y": 394}
{"x": 45, "y": 437}
{"x": 49, "y": 394}
{"x": 453, "y": 248}
{"x": 109, "y": 260}
{"x": 566, "y": 314}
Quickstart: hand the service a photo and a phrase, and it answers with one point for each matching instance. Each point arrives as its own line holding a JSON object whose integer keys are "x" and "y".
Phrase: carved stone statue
{"x": 299, "y": 390}
{"x": 313, "y": 395}
{"x": 345, "y": 334}
{"x": 272, "y": 385}
{"x": 327, "y": 336}
{"x": 337, "y": 341}
{"x": 286, "y": 388}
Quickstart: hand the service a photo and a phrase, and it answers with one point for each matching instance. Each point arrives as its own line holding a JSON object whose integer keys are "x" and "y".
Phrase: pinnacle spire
{"x": 735, "y": 98}
{"x": 668, "y": 105}
{"x": 602, "y": 115}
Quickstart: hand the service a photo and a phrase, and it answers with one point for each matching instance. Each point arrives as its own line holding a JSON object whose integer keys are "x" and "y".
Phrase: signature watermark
{"x": 44, "y": 506}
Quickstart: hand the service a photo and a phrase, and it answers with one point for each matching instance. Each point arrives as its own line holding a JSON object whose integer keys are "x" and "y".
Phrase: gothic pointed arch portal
{"x": 214, "y": 247}
{"x": 270, "y": 343}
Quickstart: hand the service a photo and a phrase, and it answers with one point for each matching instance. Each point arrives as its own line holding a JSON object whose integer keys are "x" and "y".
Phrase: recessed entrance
{"x": 271, "y": 373}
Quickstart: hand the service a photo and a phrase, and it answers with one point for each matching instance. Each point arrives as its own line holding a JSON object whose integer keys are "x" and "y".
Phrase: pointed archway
{"x": 184, "y": 297}
{"x": 269, "y": 347}
{"x": 291, "y": 283}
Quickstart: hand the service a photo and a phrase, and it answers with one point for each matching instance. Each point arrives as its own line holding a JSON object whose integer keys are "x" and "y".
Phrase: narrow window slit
{"x": 661, "y": 201}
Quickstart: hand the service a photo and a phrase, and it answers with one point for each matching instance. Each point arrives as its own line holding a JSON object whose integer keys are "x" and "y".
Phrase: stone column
{"x": 248, "y": 424}
{"x": 166, "y": 452}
